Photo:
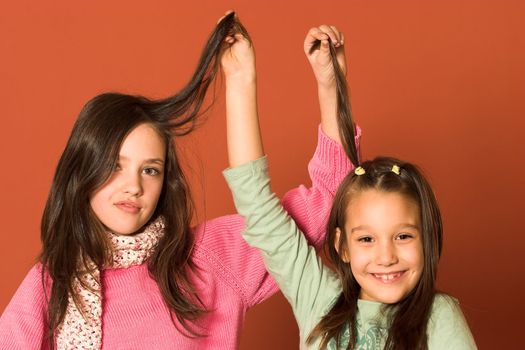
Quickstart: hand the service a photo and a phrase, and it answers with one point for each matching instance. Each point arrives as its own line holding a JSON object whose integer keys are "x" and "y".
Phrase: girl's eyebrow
{"x": 359, "y": 228}
{"x": 159, "y": 161}
{"x": 154, "y": 160}
{"x": 367, "y": 227}
{"x": 407, "y": 225}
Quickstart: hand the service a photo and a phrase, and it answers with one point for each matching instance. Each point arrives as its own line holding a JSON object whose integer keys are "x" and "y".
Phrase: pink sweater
{"x": 233, "y": 278}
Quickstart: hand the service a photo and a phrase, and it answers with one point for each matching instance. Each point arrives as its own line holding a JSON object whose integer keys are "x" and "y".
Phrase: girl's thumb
{"x": 324, "y": 45}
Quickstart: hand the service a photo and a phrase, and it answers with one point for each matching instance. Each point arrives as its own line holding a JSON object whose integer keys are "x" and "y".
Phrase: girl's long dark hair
{"x": 408, "y": 318}
{"x": 71, "y": 233}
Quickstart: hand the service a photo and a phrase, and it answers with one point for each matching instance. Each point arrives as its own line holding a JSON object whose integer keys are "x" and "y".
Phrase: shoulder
{"x": 216, "y": 230}
{"x": 218, "y": 239}
{"x": 29, "y": 298}
{"x": 444, "y": 303}
{"x": 35, "y": 280}
{"x": 447, "y": 328}
{"x": 445, "y": 309}
{"x": 22, "y": 324}
{"x": 224, "y": 256}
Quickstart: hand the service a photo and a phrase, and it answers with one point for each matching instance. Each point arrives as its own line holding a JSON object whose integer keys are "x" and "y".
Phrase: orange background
{"x": 437, "y": 83}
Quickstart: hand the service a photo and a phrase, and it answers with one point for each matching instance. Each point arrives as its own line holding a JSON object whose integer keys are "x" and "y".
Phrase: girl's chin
{"x": 124, "y": 231}
{"x": 386, "y": 296}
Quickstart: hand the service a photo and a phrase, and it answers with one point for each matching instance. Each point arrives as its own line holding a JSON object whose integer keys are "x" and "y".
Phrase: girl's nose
{"x": 133, "y": 185}
{"x": 386, "y": 254}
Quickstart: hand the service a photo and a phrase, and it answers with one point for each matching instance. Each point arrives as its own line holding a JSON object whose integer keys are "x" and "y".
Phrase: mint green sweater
{"x": 312, "y": 288}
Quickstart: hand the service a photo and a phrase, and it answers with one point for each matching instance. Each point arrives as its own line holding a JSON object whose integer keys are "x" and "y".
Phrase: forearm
{"x": 328, "y": 107}
{"x": 242, "y": 122}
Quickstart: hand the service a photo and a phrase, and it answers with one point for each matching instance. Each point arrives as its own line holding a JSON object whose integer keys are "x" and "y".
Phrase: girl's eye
{"x": 365, "y": 239}
{"x": 117, "y": 167}
{"x": 151, "y": 171}
{"x": 404, "y": 236}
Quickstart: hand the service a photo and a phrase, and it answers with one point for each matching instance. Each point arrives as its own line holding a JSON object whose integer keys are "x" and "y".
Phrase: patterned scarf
{"x": 85, "y": 332}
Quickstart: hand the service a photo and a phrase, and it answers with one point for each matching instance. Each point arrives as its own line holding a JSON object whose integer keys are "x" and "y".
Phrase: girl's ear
{"x": 344, "y": 254}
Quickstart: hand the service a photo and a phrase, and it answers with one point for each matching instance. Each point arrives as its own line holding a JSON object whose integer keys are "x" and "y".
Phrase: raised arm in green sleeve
{"x": 309, "y": 286}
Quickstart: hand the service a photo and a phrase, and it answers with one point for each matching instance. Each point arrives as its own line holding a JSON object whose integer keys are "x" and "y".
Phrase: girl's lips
{"x": 388, "y": 278}
{"x": 128, "y": 207}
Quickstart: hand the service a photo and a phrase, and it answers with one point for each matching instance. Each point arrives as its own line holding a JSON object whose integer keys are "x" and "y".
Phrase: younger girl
{"x": 384, "y": 238}
{"x": 120, "y": 267}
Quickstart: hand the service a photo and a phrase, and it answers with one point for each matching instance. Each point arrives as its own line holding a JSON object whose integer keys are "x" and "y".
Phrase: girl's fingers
{"x": 336, "y": 32}
{"x": 231, "y": 39}
{"x": 334, "y": 35}
{"x": 322, "y": 33}
{"x": 239, "y": 36}
{"x": 318, "y": 34}
{"x": 314, "y": 35}
{"x": 328, "y": 30}
{"x": 339, "y": 35}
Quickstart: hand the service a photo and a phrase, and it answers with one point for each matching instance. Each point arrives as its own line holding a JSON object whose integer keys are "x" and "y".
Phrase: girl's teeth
{"x": 387, "y": 277}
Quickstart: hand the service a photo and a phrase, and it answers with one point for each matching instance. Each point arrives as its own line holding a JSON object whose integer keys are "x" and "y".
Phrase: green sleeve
{"x": 447, "y": 327}
{"x": 309, "y": 286}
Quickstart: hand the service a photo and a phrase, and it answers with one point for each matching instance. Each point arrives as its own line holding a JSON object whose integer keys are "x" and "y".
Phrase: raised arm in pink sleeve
{"x": 310, "y": 207}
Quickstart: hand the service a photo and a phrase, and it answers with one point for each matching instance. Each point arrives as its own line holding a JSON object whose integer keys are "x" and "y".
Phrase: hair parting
{"x": 86, "y": 164}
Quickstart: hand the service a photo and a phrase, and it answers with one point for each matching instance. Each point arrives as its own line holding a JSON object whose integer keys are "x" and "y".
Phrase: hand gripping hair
{"x": 181, "y": 110}
{"x": 344, "y": 109}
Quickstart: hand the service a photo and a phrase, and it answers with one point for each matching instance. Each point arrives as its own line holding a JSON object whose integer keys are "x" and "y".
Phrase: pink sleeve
{"x": 22, "y": 325}
{"x": 310, "y": 207}
{"x": 219, "y": 243}
{"x": 221, "y": 250}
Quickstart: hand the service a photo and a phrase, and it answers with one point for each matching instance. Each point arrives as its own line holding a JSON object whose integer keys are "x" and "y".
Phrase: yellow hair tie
{"x": 395, "y": 169}
{"x": 359, "y": 171}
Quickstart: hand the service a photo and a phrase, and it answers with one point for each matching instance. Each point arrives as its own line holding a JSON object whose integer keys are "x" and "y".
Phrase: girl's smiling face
{"x": 126, "y": 202}
{"x": 384, "y": 244}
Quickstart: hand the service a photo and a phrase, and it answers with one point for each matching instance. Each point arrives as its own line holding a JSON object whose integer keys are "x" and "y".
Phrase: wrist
{"x": 241, "y": 89}
{"x": 241, "y": 79}
{"x": 326, "y": 84}
{"x": 327, "y": 90}
{"x": 328, "y": 103}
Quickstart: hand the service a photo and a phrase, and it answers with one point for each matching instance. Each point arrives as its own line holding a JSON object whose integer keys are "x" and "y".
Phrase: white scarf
{"x": 85, "y": 332}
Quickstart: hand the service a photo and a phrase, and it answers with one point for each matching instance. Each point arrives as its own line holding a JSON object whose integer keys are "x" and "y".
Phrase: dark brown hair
{"x": 409, "y": 317}
{"x": 71, "y": 232}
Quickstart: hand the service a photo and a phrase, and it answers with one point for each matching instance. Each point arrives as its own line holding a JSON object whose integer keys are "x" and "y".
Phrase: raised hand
{"x": 317, "y": 50}
{"x": 238, "y": 57}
